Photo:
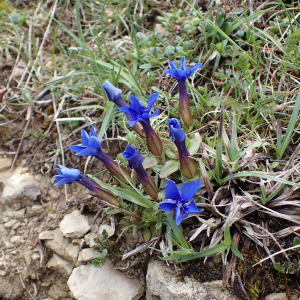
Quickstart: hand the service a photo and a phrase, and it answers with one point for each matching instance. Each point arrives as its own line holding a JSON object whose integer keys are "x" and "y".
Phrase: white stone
{"x": 71, "y": 252}
{"x": 60, "y": 264}
{"x": 89, "y": 239}
{"x": 11, "y": 223}
{"x": 90, "y": 283}
{"x": 46, "y": 235}
{"x": 86, "y": 254}
{"x": 35, "y": 256}
{"x": 2, "y": 273}
{"x": 110, "y": 230}
{"x": 17, "y": 225}
{"x": 37, "y": 208}
{"x": 280, "y": 296}
{"x": 20, "y": 184}
{"x": 74, "y": 225}
{"x": 162, "y": 283}
{"x": 17, "y": 239}
{"x": 19, "y": 213}
{"x": 9, "y": 244}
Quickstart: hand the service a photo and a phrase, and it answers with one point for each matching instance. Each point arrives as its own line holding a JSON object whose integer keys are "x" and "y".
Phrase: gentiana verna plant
{"x": 161, "y": 183}
{"x": 181, "y": 75}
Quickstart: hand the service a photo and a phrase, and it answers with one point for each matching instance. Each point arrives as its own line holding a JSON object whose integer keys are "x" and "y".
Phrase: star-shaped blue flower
{"x": 180, "y": 201}
{"x": 183, "y": 73}
{"x": 139, "y": 113}
{"x": 91, "y": 145}
{"x": 66, "y": 176}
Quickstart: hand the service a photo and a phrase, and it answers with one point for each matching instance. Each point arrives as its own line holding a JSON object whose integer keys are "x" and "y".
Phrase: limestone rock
{"x": 74, "y": 225}
{"x": 46, "y": 235}
{"x": 89, "y": 239}
{"x": 11, "y": 223}
{"x": 19, "y": 184}
{"x": 86, "y": 254}
{"x": 90, "y": 283}
{"x": 60, "y": 264}
{"x": 163, "y": 284}
{"x": 280, "y": 296}
{"x": 11, "y": 288}
{"x": 37, "y": 208}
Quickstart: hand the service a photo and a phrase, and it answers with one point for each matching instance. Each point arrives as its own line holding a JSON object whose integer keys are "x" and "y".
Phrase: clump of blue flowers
{"x": 139, "y": 171}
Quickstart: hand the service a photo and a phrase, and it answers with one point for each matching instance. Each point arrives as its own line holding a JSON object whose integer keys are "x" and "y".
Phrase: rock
{"x": 86, "y": 254}
{"x": 74, "y": 225}
{"x": 17, "y": 225}
{"x": 56, "y": 292}
{"x": 35, "y": 256}
{"x": 110, "y": 230}
{"x": 89, "y": 239}
{"x": 37, "y": 208}
{"x": 60, "y": 245}
{"x": 2, "y": 273}
{"x": 60, "y": 264}
{"x": 90, "y": 283}
{"x": 11, "y": 223}
{"x": 17, "y": 239}
{"x": 19, "y": 185}
{"x": 5, "y": 164}
{"x": 19, "y": 214}
{"x": 46, "y": 235}
{"x": 71, "y": 252}
{"x": 163, "y": 284}
{"x": 280, "y": 296}
{"x": 27, "y": 257}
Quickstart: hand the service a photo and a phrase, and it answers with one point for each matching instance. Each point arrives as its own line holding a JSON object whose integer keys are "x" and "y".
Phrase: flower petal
{"x": 189, "y": 189}
{"x": 195, "y": 68}
{"x": 95, "y": 143}
{"x": 136, "y": 105}
{"x": 176, "y": 132}
{"x": 183, "y": 63}
{"x": 152, "y": 99}
{"x": 93, "y": 132}
{"x": 155, "y": 114}
{"x": 179, "y": 216}
{"x": 172, "y": 73}
{"x": 171, "y": 65}
{"x": 192, "y": 208}
{"x": 111, "y": 91}
{"x": 172, "y": 191}
{"x": 76, "y": 148}
{"x": 168, "y": 205}
{"x": 84, "y": 138}
{"x": 88, "y": 151}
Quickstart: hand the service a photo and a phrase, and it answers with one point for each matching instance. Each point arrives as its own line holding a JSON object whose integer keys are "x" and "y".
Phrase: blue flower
{"x": 66, "y": 176}
{"x": 135, "y": 160}
{"x": 137, "y": 112}
{"x": 180, "y": 202}
{"x": 91, "y": 145}
{"x": 176, "y": 132}
{"x": 114, "y": 94}
{"x": 183, "y": 73}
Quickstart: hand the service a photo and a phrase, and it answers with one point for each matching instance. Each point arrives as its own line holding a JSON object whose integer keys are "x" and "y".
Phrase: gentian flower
{"x": 135, "y": 161}
{"x": 181, "y": 75}
{"x": 180, "y": 204}
{"x": 188, "y": 166}
{"x": 139, "y": 113}
{"x": 68, "y": 176}
{"x": 91, "y": 146}
{"x": 115, "y": 95}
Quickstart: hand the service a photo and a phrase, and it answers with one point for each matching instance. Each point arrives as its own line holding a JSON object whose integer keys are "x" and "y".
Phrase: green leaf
{"x": 125, "y": 194}
{"x": 235, "y": 251}
{"x": 177, "y": 232}
{"x": 213, "y": 250}
{"x": 149, "y": 162}
{"x": 146, "y": 234}
{"x": 227, "y": 236}
{"x": 194, "y": 145}
{"x": 169, "y": 168}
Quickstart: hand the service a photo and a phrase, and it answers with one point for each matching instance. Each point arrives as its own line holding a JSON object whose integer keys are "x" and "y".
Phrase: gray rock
{"x": 74, "y": 225}
{"x": 46, "y": 235}
{"x": 18, "y": 185}
{"x": 163, "y": 284}
{"x": 60, "y": 245}
{"x": 280, "y": 296}
{"x": 89, "y": 239}
{"x": 11, "y": 223}
{"x": 37, "y": 208}
{"x": 60, "y": 264}
{"x": 90, "y": 283}
{"x": 19, "y": 214}
{"x": 86, "y": 254}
